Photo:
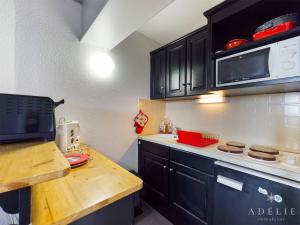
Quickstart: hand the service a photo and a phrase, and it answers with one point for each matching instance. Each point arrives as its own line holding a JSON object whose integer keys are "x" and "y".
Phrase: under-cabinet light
{"x": 208, "y": 99}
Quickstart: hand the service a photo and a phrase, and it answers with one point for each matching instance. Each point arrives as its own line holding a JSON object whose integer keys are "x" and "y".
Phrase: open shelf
{"x": 242, "y": 23}
{"x": 254, "y": 44}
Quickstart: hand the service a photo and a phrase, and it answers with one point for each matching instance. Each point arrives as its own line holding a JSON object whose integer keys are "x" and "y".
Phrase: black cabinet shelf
{"x": 254, "y": 44}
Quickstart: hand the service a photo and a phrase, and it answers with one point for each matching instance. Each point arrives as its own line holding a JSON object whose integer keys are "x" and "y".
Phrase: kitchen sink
{"x": 166, "y": 137}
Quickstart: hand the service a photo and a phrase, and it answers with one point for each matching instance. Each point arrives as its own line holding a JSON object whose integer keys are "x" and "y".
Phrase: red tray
{"x": 194, "y": 138}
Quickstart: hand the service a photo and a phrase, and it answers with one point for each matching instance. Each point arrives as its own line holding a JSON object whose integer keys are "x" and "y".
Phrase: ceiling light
{"x": 100, "y": 65}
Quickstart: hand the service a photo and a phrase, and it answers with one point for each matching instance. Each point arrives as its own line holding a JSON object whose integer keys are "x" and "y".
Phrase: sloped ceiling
{"x": 120, "y": 18}
{"x": 178, "y": 19}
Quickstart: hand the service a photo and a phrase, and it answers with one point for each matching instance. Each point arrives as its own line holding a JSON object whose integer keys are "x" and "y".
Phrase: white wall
{"x": 50, "y": 61}
{"x": 261, "y": 119}
{"x": 7, "y": 42}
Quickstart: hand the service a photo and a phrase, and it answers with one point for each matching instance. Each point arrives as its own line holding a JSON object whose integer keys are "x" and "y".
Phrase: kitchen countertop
{"x": 28, "y": 163}
{"x": 85, "y": 190}
{"x": 277, "y": 169}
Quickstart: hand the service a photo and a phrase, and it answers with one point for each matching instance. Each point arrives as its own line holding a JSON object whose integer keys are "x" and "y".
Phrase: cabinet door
{"x": 176, "y": 69}
{"x": 196, "y": 63}
{"x": 158, "y": 74}
{"x": 190, "y": 195}
{"x": 155, "y": 177}
{"x": 155, "y": 173}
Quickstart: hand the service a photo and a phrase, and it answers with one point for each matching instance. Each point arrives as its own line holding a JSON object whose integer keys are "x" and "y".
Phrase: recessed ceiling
{"x": 177, "y": 19}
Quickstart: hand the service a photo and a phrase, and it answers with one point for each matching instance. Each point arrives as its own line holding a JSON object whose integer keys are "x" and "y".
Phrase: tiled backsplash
{"x": 259, "y": 119}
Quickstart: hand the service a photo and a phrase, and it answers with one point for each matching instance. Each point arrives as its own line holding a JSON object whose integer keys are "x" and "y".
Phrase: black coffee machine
{"x": 25, "y": 117}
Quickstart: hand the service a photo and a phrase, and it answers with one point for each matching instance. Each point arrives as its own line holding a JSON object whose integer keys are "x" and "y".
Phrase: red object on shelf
{"x": 235, "y": 43}
{"x": 77, "y": 159}
{"x": 274, "y": 30}
{"x": 194, "y": 138}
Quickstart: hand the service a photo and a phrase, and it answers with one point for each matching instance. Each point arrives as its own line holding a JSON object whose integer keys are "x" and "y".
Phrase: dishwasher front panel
{"x": 243, "y": 199}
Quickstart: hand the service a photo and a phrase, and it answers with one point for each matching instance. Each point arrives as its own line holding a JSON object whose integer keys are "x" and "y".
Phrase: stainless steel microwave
{"x": 270, "y": 62}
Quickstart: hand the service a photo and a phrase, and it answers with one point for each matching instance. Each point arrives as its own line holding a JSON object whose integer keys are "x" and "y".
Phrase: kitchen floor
{"x": 150, "y": 217}
{"x": 6, "y": 219}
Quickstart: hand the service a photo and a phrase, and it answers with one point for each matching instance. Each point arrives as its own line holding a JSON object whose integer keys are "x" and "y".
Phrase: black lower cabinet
{"x": 155, "y": 179}
{"x": 120, "y": 212}
{"x": 189, "y": 195}
{"x": 153, "y": 168}
{"x": 177, "y": 184}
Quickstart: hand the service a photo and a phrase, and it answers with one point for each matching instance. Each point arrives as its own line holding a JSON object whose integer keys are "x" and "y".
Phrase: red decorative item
{"x": 140, "y": 122}
{"x": 274, "y": 30}
{"x": 194, "y": 138}
{"x": 77, "y": 159}
{"x": 235, "y": 43}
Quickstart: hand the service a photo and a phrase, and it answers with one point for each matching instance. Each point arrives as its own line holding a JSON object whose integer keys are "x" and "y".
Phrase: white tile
{"x": 261, "y": 99}
{"x": 292, "y": 110}
{"x": 276, "y": 99}
{"x": 276, "y": 109}
{"x": 292, "y": 122}
{"x": 292, "y": 98}
{"x": 262, "y": 119}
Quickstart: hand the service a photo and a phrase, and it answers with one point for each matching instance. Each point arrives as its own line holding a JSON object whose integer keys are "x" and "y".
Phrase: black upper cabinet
{"x": 158, "y": 74}
{"x": 176, "y": 70}
{"x": 179, "y": 68}
{"x": 196, "y": 64}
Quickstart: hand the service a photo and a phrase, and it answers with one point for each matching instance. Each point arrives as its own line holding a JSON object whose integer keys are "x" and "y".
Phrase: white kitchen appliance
{"x": 269, "y": 62}
{"x": 68, "y": 135}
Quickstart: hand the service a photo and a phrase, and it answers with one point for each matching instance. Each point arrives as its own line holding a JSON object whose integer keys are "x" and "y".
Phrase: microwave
{"x": 269, "y": 62}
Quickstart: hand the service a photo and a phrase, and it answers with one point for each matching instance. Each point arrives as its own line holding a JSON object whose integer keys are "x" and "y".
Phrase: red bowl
{"x": 235, "y": 43}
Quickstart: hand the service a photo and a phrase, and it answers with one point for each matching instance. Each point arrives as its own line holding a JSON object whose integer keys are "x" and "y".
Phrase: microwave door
{"x": 246, "y": 67}
{"x": 273, "y": 64}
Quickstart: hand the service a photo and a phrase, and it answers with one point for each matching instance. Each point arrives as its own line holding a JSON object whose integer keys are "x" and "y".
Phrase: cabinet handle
{"x": 230, "y": 182}
{"x": 165, "y": 167}
{"x": 188, "y": 84}
{"x": 171, "y": 169}
{"x": 184, "y": 84}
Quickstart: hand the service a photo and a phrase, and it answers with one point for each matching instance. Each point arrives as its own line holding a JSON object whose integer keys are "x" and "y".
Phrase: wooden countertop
{"x": 29, "y": 163}
{"x": 85, "y": 190}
